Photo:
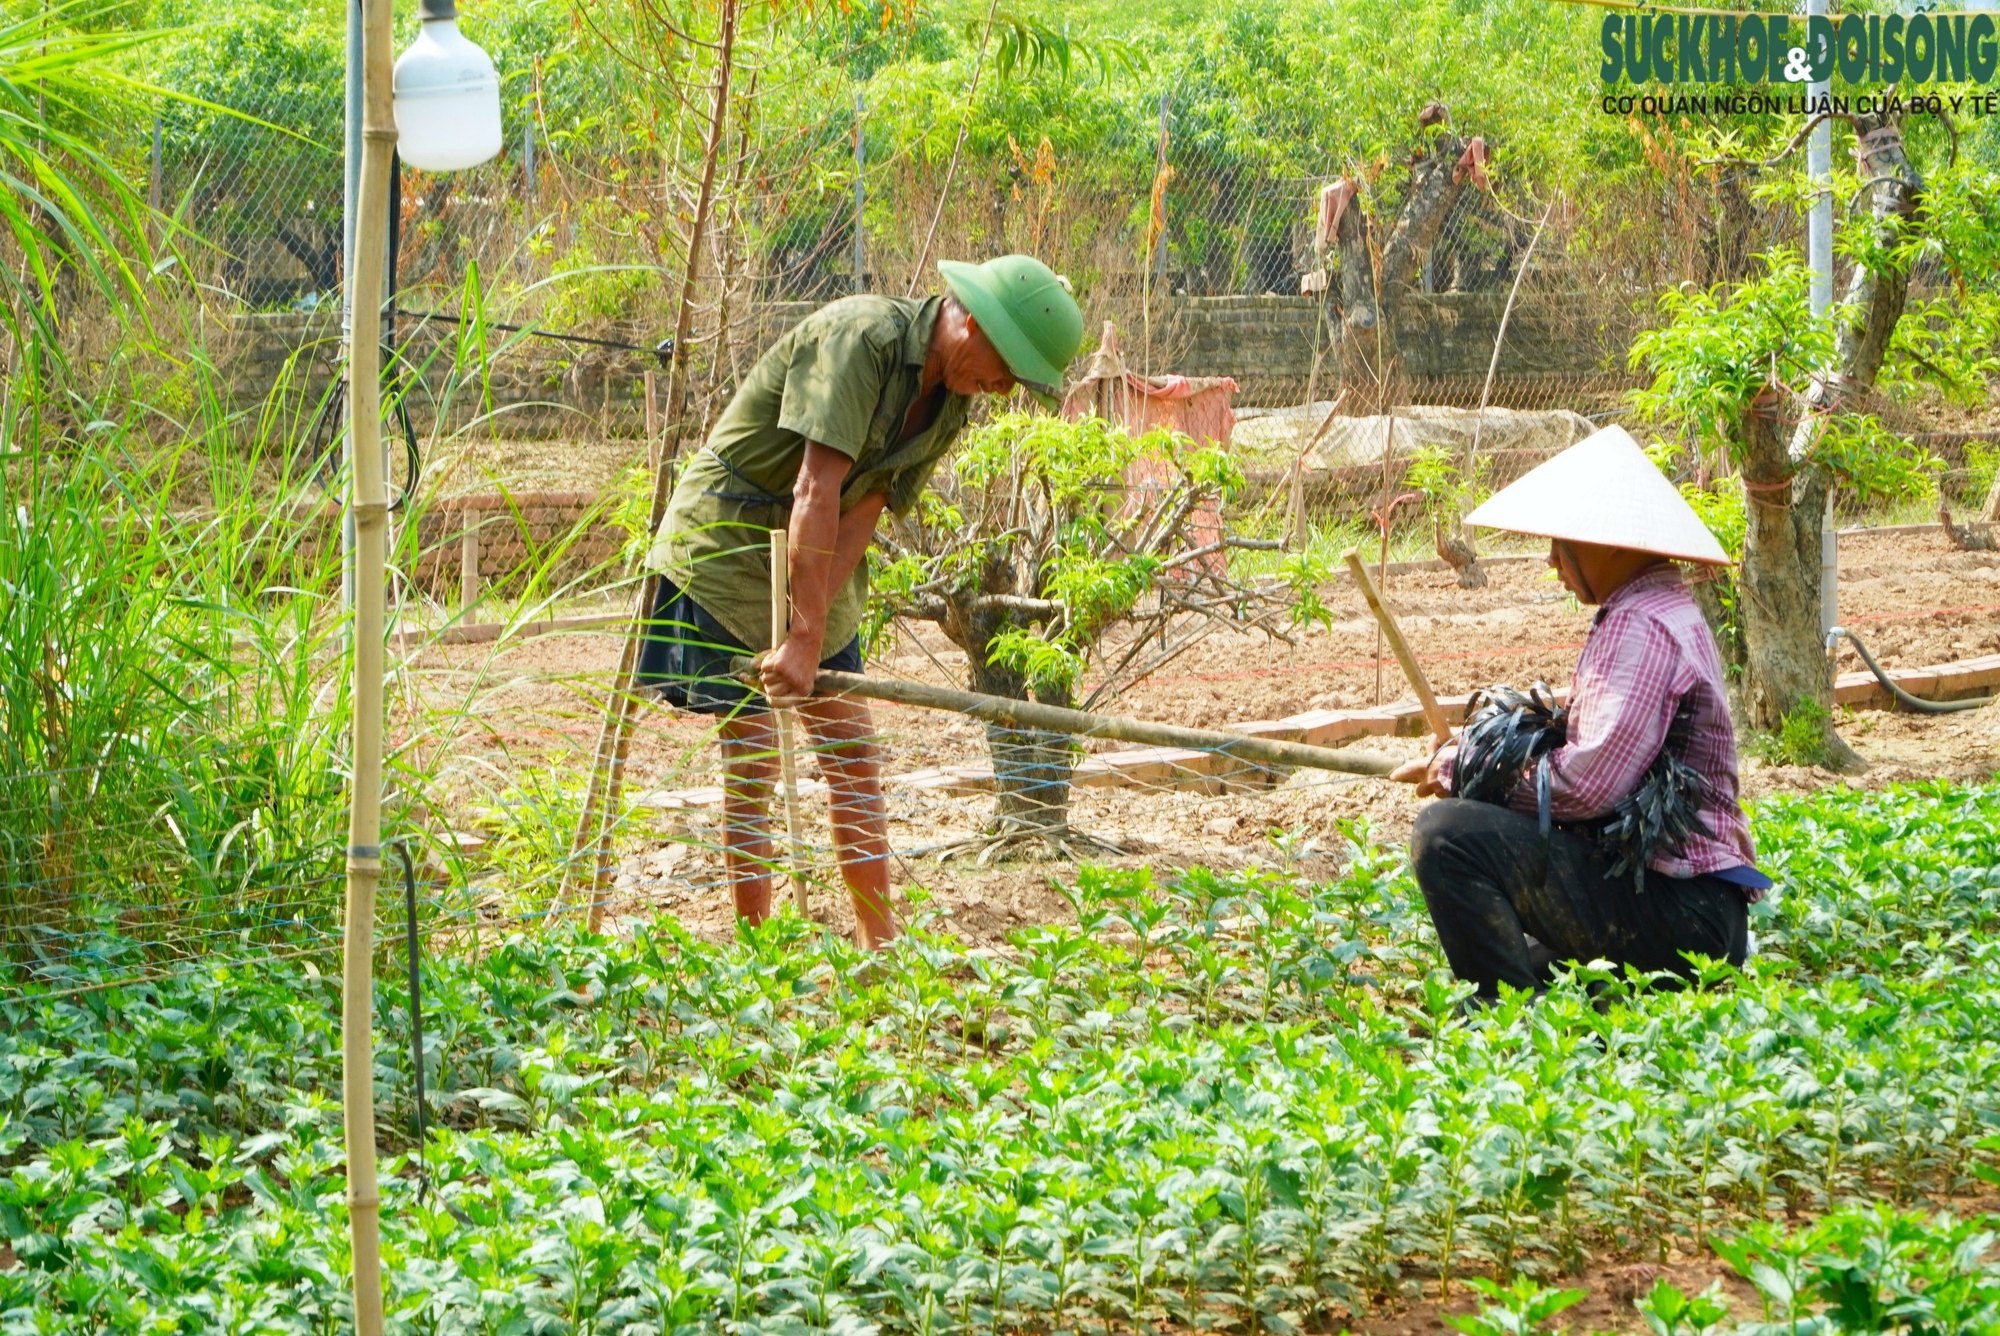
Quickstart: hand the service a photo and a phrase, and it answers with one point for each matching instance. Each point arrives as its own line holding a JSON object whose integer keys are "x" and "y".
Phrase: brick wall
{"x": 1550, "y": 360}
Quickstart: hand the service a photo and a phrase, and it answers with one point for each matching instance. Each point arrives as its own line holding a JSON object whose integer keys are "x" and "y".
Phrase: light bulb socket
{"x": 431, "y": 10}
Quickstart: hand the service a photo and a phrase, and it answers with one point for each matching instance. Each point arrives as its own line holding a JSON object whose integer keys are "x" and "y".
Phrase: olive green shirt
{"x": 845, "y": 376}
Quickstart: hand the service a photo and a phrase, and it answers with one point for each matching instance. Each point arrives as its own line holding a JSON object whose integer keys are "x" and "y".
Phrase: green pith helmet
{"x": 1027, "y": 314}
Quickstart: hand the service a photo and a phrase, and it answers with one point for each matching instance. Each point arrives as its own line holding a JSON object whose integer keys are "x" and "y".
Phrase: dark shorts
{"x": 686, "y": 654}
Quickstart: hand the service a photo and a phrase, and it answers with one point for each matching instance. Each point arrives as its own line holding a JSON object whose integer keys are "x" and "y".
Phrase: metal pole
{"x": 860, "y": 198}
{"x": 1819, "y": 258}
{"x": 369, "y": 509}
{"x": 350, "y": 210}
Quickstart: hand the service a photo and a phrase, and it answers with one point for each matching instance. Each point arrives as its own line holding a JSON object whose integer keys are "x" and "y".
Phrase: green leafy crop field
{"x": 1232, "y": 1102}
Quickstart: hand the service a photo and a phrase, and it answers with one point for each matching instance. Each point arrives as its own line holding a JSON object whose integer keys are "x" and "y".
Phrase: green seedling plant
{"x": 1518, "y": 1309}
{"x": 1170, "y": 1117}
{"x": 1670, "y": 1312}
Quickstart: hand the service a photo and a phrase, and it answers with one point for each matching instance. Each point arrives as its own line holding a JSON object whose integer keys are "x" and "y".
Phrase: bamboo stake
{"x": 653, "y": 422}
{"x": 788, "y": 764}
{"x": 368, "y": 505}
{"x": 614, "y": 740}
{"x": 1388, "y": 512}
{"x": 1296, "y": 525}
{"x": 1386, "y": 624}
{"x": 468, "y": 565}
{"x": 951, "y": 168}
{"x": 1024, "y": 715}
{"x": 1499, "y": 339}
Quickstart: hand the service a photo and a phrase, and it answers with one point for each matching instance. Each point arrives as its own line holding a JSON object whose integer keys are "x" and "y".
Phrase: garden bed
{"x": 1222, "y": 1100}
{"x": 1913, "y": 598}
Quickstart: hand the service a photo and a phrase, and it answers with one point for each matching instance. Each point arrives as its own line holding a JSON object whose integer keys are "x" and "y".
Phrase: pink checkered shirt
{"x": 1647, "y": 648}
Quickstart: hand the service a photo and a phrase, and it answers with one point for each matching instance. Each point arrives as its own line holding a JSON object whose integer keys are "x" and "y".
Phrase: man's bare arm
{"x": 814, "y": 541}
{"x": 857, "y": 531}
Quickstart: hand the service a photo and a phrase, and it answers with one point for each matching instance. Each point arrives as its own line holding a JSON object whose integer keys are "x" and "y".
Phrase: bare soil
{"x": 1610, "y": 1284}
{"x": 507, "y": 713}
{"x": 559, "y": 464}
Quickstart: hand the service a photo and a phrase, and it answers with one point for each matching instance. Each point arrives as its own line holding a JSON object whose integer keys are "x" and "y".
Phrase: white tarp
{"x": 1274, "y": 434}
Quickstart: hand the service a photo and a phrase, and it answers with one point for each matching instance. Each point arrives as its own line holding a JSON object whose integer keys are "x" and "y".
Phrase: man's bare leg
{"x": 749, "y": 766}
{"x": 843, "y": 734}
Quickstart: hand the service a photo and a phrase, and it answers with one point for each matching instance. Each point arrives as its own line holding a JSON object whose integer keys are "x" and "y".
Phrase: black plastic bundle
{"x": 1505, "y": 732}
{"x": 1664, "y": 812}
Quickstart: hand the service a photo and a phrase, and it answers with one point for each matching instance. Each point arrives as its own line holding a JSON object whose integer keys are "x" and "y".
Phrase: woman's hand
{"x": 1423, "y": 774}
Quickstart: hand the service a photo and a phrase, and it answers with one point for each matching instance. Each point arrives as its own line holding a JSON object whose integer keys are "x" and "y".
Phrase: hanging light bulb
{"x": 447, "y": 97}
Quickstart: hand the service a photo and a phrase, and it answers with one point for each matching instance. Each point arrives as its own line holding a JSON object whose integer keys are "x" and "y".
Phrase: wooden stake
{"x": 1499, "y": 339}
{"x": 468, "y": 566}
{"x": 1387, "y": 513}
{"x": 788, "y": 765}
{"x": 1024, "y": 715}
{"x": 652, "y": 422}
{"x": 369, "y": 506}
{"x": 1295, "y": 529}
{"x": 590, "y": 849}
{"x": 1386, "y": 624}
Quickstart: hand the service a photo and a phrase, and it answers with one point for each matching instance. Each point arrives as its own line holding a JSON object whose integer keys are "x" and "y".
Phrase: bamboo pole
{"x": 468, "y": 565}
{"x": 614, "y": 740}
{"x": 1387, "y": 514}
{"x": 1386, "y": 624}
{"x": 1296, "y": 523}
{"x": 1499, "y": 340}
{"x": 1027, "y": 715}
{"x": 781, "y": 718}
{"x": 368, "y": 506}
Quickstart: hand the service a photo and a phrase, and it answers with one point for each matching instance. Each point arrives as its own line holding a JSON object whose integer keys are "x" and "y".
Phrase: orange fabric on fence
{"x": 1197, "y": 407}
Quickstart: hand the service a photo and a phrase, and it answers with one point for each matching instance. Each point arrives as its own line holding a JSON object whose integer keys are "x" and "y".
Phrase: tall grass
{"x": 171, "y": 700}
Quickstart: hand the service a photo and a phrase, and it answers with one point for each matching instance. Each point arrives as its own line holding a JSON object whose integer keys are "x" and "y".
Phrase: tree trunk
{"x": 1785, "y": 661}
{"x": 1372, "y": 330}
{"x": 1031, "y": 769}
{"x": 1717, "y": 598}
{"x": 1875, "y": 296}
{"x": 1357, "y": 269}
{"x": 1435, "y": 185}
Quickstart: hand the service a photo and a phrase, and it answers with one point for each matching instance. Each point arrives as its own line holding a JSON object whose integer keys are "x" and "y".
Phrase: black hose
{"x": 412, "y": 457}
{"x": 1917, "y": 703}
{"x": 416, "y": 1010}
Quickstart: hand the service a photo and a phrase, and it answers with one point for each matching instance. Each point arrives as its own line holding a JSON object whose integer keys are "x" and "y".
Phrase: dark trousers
{"x": 1489, "y": 881}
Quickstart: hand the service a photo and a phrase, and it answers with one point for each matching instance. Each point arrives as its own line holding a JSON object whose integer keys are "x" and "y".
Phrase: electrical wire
{"x": 663, "y": 350}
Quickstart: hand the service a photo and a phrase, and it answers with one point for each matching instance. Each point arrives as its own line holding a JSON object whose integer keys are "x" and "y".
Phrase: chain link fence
{"x": 1318, "y": 280}
{"x": 1197, "y": 247}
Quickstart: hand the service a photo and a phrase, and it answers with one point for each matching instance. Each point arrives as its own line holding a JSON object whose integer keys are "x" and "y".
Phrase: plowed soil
{"x": 530, "y": 710}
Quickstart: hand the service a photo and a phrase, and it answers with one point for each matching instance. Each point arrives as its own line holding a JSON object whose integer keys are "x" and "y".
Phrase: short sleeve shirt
{"x": 845, "y": 376}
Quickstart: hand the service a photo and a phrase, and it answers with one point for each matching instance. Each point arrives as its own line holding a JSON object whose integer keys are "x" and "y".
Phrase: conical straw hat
{"x": 1603, "y": 490}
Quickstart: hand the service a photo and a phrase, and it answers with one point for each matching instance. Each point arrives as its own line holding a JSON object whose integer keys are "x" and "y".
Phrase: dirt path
{"x": 531, "y": 710}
